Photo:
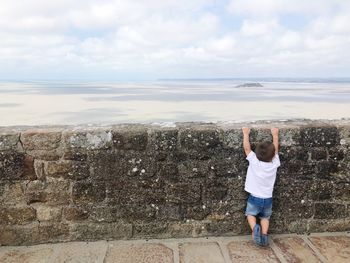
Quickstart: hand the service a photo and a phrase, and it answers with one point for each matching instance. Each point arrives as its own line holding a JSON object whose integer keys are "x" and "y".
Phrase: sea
{"x": 166, "y": 101}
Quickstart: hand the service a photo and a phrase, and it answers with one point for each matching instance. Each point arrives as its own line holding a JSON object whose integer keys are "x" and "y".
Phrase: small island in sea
{"x": 251, "y": 84}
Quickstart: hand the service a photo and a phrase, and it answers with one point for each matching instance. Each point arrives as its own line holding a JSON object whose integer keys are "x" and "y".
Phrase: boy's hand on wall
{"x": 274, "y": 131}
{"x": 246, "y": 130}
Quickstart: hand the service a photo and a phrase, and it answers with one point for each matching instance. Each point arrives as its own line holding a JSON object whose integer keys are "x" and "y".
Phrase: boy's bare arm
{"x": 246, "y": 143}
{"x": 274, "y": 132}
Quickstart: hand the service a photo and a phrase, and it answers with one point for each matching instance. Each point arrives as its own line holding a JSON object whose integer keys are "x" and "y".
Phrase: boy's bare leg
{"x": 251, "y": 221}
{"x": 264, "y": 226}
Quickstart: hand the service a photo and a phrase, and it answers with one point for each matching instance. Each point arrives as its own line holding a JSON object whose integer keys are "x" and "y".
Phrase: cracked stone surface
{"x": 333, "y": 248}
{"x": 139, "y": 253}
{"x": 201, "y": 252}
{"x": 295, "y": 249}
{"x": 318, "y": 247}
{"x": 247, "y": 251}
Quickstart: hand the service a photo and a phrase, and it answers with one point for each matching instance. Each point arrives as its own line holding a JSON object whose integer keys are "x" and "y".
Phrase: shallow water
{"x": 38, "y": 103}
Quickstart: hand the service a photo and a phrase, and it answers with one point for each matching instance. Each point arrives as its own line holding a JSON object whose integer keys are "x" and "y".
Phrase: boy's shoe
{"x": 264, "y": 240}
{"x": 257, "y": 235}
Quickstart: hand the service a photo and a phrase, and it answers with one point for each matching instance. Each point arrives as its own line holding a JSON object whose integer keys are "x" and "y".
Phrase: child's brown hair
{"x": 265, "y": 151}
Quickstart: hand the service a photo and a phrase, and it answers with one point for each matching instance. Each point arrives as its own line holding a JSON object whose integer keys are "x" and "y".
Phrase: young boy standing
{"x": 261, "y": 176}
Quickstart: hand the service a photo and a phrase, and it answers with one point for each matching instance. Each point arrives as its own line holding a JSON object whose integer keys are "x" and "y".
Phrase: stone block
{"x": 321, "y": 190}
{"x": 294, "y": 153}
{"x": 75, "y": 213}
{"x": 112, "y": 165}
{"x": 54, "y": 191}
{"x": 330, "y": 211}
{"x": 223, "y": 167}
{"x": 170, "y": 212}
{"x": 214, "y": 192}
{"x": 187, "y": 229}
{"x": 183, "y": 193}
{"x": 292, "y": 189}
{"x": 341, "y": 191}
{"x": 48, "y": 213}
{"x": 318, "y": 153}
{"x": 39, "y": 169}
{"x": 87, "y": 139}
{"x": 88, "y": 192}
{"x": 235, "y": 186}
{"x": 344, "y": 134}
{"x": 289, "y": 137}
{"x": 146, "y": 230}
{"x": 232, "y": 138}
{"x": 17, "y": 215}
{"x": 189, "y": 170}
{"x": 12, "y": 193}
{"x": 8, "y": 141}
{"x": 298, "y": 226}
{"x": 163, "y": 142}
{"x": 48, "y": 155}
{"x": 67, "y": 169}
{"x": 105, "y": 213}
{"x": 329, "y": 225}
{"x": 76, "y": 154}
{"x": 260, "y": 135}
{"x": 41, "y": 139}
{"x": 200, "y": 139}
{"x": 228, "y": 227}
{"x": 319, "y": 136}
{"x": 130, "y": 138}
{"x": 16, "y": 166}
{"x": 327, "y": 169}
{"x": 337, "y": 153}
{"x": 293, "y": 208}
{"x": 298, "y": 170}
{"x": 168, "y": 171}
{"x": 97, "y": 231}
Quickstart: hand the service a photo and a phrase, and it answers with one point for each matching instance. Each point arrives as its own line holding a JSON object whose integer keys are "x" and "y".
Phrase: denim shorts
{"x": 261, "y": 207}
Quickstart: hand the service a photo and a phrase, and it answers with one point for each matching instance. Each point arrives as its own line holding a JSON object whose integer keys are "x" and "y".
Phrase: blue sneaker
{"x": 264, "y": 240}
{"x": 257, "y": 235}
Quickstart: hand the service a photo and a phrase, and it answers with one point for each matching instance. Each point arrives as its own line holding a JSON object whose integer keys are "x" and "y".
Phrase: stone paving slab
{"x": 295, "y": 249}
{"x": 56, "y": 253}
{"x": 324, "y": 247}
{"x": 39, "y": 254}
{"x": 333, "y": 248}
{"x": 139, "y": 253}
{"x": 201, "y": 252}
{"x": 247, "y": 251}
{"x": 92, "y": 252}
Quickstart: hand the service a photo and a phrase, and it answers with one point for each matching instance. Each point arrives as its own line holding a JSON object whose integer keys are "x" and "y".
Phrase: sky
{"x": 155, "y": 39}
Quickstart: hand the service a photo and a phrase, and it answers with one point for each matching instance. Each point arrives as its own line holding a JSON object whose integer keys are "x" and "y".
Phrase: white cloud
{"x": 273, "y": 7}
{"x": 165, "y": 38}
{"x": 259, "y": 27}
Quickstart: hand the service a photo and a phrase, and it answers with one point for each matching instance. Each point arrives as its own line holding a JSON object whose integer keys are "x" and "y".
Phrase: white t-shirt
{"x": 261, "y": 176}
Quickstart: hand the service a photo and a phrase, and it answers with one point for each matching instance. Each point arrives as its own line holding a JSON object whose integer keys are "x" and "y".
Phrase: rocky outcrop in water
{"x": 249, "y": 85}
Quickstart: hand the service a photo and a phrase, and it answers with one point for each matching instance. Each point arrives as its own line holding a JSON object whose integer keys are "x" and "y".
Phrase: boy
{"x": 261, "y": 176}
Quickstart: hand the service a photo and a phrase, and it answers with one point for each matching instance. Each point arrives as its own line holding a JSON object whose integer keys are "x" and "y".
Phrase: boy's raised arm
{"x": 274, "y": 132}
{"x": 246, "y": 143}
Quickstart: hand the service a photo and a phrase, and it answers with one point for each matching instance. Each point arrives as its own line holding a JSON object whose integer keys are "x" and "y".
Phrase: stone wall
{"x": 146, "y": 181}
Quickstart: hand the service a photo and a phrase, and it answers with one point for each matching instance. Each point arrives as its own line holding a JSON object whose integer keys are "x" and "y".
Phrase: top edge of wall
{"x": 286, "y": 123}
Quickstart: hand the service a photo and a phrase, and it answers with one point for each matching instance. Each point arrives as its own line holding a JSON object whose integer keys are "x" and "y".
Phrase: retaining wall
{"x": 126, "y": 181}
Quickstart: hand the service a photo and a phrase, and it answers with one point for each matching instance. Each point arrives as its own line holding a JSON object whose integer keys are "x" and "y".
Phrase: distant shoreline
{"x": 266, "y": 79}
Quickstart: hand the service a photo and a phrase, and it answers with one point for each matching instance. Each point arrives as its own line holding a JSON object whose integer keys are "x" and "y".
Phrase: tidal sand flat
{"x": 68, "y": 102}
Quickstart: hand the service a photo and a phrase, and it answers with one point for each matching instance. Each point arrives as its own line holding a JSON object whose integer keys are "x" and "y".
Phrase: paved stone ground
{"x": 322, "y": 247}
